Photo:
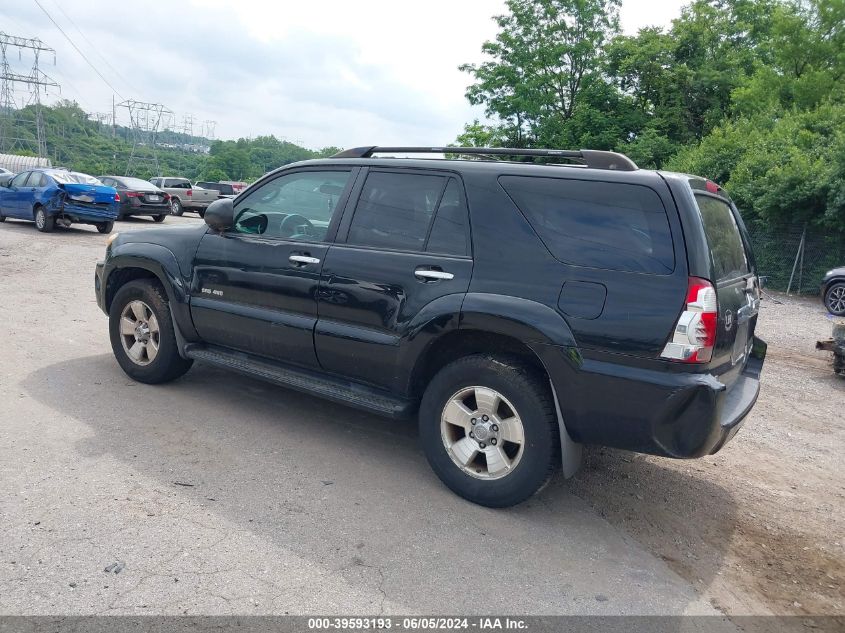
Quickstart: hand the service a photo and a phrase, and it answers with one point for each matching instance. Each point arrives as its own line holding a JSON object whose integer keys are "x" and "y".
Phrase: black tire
{"x": 43, "y": 222}
{"x": 2, "y": 218}
{"x": 159, "y": 218}
{"x": 834, "y": 298}
{"x": 176, "y": 207}
{"x": 201, "y": 213}
{"x": 167, "y": 365}
{"x": 530, "y": 395}
{"x": 105, "y": 227}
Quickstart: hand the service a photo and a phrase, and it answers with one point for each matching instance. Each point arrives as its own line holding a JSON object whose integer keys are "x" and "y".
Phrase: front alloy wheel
{"x": 143, "y": 335}
{"x": 139, "y": 333}
{"x": 835, "y": 299}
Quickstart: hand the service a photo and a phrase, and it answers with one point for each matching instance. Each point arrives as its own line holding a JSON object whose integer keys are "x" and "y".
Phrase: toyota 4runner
{"x": 517, "y": 309}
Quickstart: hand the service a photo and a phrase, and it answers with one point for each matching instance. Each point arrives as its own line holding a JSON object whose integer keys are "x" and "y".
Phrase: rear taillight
{"x": 695, "y": 332}
{"x": 133, "y": 194}
{"x": 167, "y": 196}
{"x": 117, "y": 197}
{"x": 190, "y": 192}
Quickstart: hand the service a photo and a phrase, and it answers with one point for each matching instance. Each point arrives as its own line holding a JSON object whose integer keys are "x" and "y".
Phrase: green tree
{"x": 546, "y": 54}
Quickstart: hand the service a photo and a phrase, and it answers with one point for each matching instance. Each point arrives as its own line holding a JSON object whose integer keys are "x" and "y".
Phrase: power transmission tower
{"x": 17, "y": 131}
{"x": 208, "y": 128}
{"x": 145, "y": 120}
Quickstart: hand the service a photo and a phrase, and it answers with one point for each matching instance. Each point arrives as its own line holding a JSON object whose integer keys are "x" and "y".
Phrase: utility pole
{"x": 17, "y": 131}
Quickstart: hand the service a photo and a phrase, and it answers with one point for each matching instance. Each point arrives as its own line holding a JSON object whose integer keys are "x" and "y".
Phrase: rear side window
{"x": 395, "y": 210}
{"x": 723, "y": 237}
{"x": 608, "y": 225}
{"x": 449, "y": 234}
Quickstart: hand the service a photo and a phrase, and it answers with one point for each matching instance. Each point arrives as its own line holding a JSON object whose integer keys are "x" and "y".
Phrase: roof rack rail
{"x": 594, "y": 159}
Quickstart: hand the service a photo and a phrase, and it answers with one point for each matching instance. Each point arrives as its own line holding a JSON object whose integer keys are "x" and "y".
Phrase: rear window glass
{"x": 395, "y": 210}
{"x": 136, "y": 183}
{"x": 723, "y": 238}
{"x": 607, "y": 225}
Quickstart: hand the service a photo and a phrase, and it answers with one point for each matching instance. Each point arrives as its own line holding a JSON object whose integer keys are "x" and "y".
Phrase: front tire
{"x": 176, "y": 207}
{"x": 834, "y": 299}
{"x": 159, "y": 218}
{"x": 105, "y": 227}
{"x": 43, "y": 222}
{"x": 142, "y": 334}
{"x": 489, "y": 430}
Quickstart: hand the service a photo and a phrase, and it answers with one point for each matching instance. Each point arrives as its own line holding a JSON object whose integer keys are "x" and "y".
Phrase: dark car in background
{"x": 833, "y": 291}
{"x": 139, "y": 197}
{"x": 57, "y": 196}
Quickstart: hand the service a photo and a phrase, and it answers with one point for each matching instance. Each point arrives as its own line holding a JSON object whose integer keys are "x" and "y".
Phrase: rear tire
{"x": 159, "y": 218}
{"x": 105, "y": 227}
{"x": 176, "y": 207}
{"x": 142, "y": 334}
{"x": 43, "y": 222}
{"x": 515, "y": 444}
{"x": 834, "y": 299}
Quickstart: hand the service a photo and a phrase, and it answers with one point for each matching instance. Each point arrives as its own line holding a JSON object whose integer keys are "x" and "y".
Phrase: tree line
{"x": 82, "y": 144}
{"x": 750, "y": 93}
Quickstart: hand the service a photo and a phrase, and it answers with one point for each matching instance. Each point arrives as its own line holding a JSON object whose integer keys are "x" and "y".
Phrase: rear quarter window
{"x": 614, "y": 226}
{"x": 723, "y": 237}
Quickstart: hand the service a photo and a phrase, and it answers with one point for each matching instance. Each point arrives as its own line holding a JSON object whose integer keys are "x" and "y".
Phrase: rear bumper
{"x": 670, "y": 414}
{"x": 147, "y": 210}
{"x": 99, "y": 287}
{"x": 81, "y": 214}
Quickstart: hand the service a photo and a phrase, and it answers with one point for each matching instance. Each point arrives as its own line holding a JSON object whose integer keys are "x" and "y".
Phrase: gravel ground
{"x": 296, "y": 505}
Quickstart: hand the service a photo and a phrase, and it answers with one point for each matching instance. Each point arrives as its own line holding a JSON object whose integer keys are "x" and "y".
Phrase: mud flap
{"x": 571, "y": 452}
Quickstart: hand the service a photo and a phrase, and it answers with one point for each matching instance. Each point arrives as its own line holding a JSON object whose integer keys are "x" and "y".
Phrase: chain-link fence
{"x": 802, "y": 254}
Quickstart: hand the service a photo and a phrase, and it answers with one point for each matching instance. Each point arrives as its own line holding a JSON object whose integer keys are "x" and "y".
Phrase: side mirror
{"x": 220, "y": 215}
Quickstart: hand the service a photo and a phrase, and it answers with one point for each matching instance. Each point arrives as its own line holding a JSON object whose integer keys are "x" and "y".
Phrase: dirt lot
{"x": 296, "y": 505}
{"x": 761, "y": 524}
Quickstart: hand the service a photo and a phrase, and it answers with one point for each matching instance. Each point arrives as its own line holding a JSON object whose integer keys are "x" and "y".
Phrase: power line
{"x": 91, "y": 44}
{"x": 77, "y": 49}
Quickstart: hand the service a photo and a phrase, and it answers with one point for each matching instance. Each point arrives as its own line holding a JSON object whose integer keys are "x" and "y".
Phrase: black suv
{"x": 519, "y": 309}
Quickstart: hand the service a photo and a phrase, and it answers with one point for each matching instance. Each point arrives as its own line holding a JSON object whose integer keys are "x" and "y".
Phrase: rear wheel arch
{"x": 464, "y": 343}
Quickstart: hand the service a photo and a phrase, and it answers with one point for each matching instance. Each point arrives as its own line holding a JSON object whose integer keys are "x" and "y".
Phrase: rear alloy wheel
{"x": 159, "y": 218}
{"x": 105, "y": 227}
{"x": 176, "y": 207}
{"x": 489, "y": 429}
{"x": 142, "y": 335}
{"x": 44, "y": 222}
{"x": 834, "y": 299}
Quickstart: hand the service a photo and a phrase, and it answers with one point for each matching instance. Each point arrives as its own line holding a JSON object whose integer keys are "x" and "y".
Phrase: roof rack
{"x": 594, "y": 159}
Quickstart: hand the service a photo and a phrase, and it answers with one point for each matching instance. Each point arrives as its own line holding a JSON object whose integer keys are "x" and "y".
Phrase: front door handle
{"x": 303, "y": 259}
{"x": 432, "y": 275}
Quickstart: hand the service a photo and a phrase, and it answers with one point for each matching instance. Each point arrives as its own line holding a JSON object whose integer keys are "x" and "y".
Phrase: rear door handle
{"x": 432, "y": 275}
{"x": 303, "y": 259}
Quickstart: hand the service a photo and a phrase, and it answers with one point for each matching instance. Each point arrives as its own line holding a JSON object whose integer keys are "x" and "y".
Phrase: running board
{"x": 328, "y": 387}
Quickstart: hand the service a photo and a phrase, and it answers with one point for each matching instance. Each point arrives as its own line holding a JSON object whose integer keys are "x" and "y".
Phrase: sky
{"x": 317, "y": 72}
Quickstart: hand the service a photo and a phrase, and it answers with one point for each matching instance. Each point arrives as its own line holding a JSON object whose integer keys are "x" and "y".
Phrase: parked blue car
{"x": 57, "y": 196}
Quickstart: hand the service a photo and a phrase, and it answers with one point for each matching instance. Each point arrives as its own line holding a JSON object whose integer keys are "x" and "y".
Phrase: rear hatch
{"x": 733, "y": 273}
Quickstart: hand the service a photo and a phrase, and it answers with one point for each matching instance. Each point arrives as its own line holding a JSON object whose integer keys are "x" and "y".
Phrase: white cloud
{"x": 325, "y": 72}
